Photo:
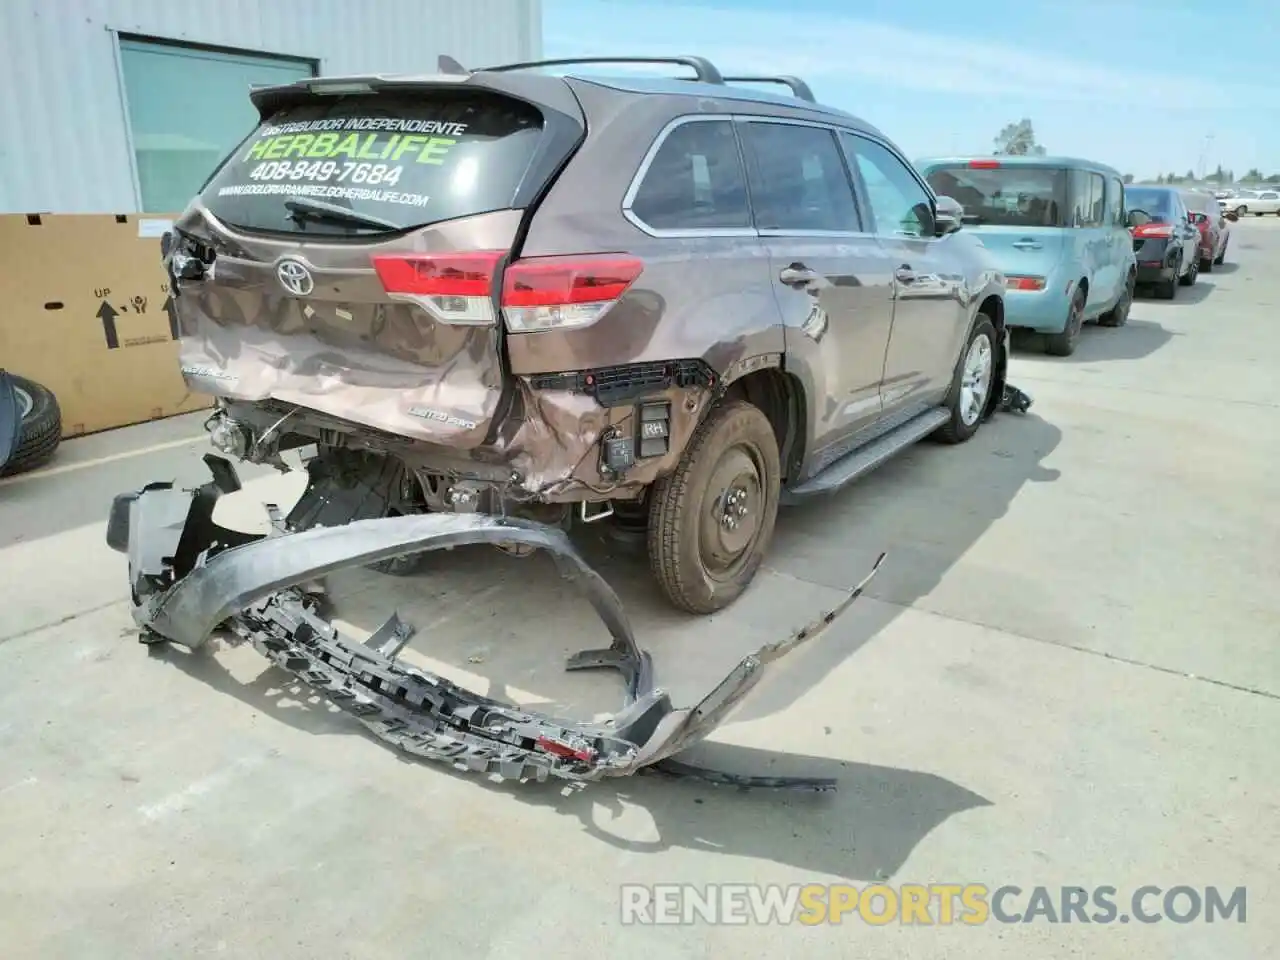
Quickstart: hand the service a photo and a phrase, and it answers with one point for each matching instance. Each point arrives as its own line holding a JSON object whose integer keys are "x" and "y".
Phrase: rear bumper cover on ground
{"x": 189, "y": 577}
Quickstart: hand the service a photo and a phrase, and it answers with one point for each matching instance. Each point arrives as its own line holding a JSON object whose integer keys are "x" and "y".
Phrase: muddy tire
{"x": 40, "y": 432}
{"x": 971, "y": 386}
{"x": 711, "y": 520}
{"x": 1064, "y": 344}
{"x": 1118, "y": 315}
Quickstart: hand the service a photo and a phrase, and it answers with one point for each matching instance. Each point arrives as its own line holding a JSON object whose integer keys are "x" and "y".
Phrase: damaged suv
{"x": 670, "y": 304}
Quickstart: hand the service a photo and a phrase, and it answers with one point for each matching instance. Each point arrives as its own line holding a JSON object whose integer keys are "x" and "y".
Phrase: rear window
{"x": 1007, "y": 196}
{"x": 355, "y": 165}
{"x": 1157, "y": 204}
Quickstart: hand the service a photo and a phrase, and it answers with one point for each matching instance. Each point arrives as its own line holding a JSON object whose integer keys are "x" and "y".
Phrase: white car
{"x": 1256, "y": 202}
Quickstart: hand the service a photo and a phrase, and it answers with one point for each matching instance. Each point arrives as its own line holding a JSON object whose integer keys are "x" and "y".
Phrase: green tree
{"x": 1274, "y": 178}
{"x": 1018, "y": 140}
{"x": 1253, "y": 175}
{"x": 1160, "y": 178}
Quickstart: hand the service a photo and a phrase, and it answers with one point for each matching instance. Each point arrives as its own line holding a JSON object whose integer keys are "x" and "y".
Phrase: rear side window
{"x": 695, "y": 181}
{"x": 1012, "y": 196}
{"x": 376, "y": 163}
{"x": 799, "y": 180}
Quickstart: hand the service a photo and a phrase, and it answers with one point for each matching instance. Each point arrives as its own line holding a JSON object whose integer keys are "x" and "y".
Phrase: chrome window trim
{"x": 628, "y": 199}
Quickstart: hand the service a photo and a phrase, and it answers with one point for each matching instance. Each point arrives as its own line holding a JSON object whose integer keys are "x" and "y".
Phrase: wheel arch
{"x": 780, "y": 395}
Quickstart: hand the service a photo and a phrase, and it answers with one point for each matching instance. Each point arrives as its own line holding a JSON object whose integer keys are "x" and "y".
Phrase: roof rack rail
{"x": 798, "y": 86}
{"x": 703, "y": 68}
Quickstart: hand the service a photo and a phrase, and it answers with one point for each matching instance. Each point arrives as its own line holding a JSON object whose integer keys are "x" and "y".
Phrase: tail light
{"x": 554, "y": 293}
{"x": 1024, "y": 283}
{"x": 1157, "y": 231}
{"x": 455, "y": 288}
{"x": 984, "y": 164}
{"x": 540, "y": 293}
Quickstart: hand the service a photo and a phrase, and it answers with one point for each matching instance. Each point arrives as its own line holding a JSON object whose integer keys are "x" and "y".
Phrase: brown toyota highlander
{"x": 667, "y": 304}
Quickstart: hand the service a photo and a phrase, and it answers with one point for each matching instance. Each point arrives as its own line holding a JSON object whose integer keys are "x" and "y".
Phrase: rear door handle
{"x": 796, "y": 276}
{"x": 904, "y": 274}
{"x": 1027, "y": 245}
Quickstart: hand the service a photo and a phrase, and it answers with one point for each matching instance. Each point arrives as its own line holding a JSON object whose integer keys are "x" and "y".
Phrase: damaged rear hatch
{"x": 344, "y": 257}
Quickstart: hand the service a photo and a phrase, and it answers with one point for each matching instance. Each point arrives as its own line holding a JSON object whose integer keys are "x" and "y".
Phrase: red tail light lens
{"x": 551, "y": 293}
{"x": 984, "y": 164}
{"x": 455, "y": 288}
{"x": 1024, "y": 283}
{"x": 540, "y": 293}
{"x": 1153, "y": 231}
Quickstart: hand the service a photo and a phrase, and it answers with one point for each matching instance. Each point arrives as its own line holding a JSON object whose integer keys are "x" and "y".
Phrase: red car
{"x": 1214, "y": 225}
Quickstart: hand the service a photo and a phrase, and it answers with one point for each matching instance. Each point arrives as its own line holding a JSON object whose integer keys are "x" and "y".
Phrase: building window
{"x": 188, "y": 107}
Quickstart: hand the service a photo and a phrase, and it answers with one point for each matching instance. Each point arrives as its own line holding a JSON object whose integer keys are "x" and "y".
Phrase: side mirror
{"x": 948, "y": 216}
{"x": 1136, "y": 218}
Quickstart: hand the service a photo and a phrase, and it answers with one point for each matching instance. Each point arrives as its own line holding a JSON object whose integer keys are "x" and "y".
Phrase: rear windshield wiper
{"x": 321, "y": 212}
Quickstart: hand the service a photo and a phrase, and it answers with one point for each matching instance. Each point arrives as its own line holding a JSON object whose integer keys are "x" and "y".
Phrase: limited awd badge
{"x": 295, "y": 277}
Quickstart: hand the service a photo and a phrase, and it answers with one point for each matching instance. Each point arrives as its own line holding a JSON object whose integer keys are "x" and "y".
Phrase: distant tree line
{"x": 1019, "y": 140}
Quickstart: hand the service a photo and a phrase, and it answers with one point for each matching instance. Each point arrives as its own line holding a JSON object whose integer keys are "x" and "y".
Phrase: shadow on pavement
{"x": 926, "y": 509}
{"x": 864, "y": 831}
{"x": 1186, "y": 296}
{"x": 1134, "y": 341}
{"x": 1225, "y": 267}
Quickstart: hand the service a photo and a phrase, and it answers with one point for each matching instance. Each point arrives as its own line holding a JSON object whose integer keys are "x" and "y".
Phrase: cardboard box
{"x": 86, "y": 312}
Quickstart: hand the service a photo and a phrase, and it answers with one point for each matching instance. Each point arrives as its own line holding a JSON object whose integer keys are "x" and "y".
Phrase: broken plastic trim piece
{"x": 190, "y": 577}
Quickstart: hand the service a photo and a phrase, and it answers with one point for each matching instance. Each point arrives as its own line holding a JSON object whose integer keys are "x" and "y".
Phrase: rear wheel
{"x": 1064, "y": 344}
{"x": 1222, "y": 256}
{"x": 1188, "y": 279}
{"x": 39, "y": 427}
{"x": 711, "y": 520}
{"x": 1118, "y": 315}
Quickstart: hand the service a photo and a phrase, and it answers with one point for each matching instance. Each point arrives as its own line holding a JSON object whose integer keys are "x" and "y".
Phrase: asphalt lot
{"x": 1067, "y": 673}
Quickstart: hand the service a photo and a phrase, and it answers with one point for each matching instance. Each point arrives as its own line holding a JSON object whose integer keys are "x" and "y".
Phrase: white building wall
{"x": 64, "y": 141}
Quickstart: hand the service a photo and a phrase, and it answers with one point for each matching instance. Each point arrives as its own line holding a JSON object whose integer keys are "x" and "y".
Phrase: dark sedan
{"x": 1165, "y": 241}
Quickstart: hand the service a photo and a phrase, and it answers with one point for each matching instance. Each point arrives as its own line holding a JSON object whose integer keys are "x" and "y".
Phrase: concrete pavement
{"x": 1067, "y": 673}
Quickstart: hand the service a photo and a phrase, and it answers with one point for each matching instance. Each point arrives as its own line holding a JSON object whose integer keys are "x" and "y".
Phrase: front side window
{"x": 695, "y": 181}
{"x": 799, "y": 180}
{"x": 899, "y": 204}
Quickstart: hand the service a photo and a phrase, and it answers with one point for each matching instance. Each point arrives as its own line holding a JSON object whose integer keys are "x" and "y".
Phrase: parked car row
{"x": 1075, "y": 242}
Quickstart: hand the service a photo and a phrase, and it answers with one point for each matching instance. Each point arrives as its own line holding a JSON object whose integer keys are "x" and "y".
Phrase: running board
{"x": 865, "y": 459}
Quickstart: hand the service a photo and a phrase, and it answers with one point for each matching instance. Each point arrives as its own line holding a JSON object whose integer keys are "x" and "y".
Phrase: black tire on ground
{"x": 1188, "y": 279}
{"x": 41, "y": 429}
{"x": 1221, "y": 258}
{"x": 1118, "y": 315}
{"x": 957, "y": 430}
{"x": 1166, "y": 289}
{"x": 1206, "y": 265}
{"x": 729, "y": 477}
{"x": 1064, "y": 344}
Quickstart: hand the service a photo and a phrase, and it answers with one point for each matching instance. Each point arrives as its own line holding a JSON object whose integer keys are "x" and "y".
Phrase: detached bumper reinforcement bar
{"x": 190, "y": 577}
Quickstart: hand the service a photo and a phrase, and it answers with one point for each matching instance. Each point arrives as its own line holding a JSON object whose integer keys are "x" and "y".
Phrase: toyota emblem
{"x": 295, "y": 277}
